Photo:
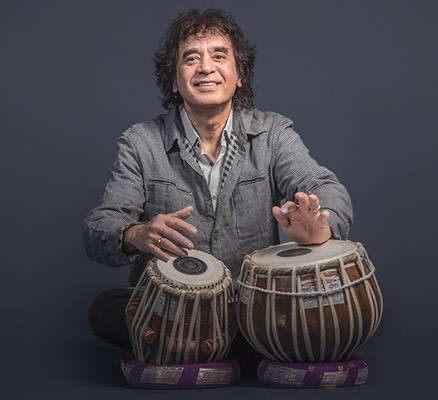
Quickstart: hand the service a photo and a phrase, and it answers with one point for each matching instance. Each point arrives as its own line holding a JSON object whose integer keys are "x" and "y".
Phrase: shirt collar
{"x": 244, "y": 122}
{"x": 191, "y": 134}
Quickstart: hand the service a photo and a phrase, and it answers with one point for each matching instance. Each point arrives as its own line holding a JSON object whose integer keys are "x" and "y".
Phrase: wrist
{"x": 128, "y": 239}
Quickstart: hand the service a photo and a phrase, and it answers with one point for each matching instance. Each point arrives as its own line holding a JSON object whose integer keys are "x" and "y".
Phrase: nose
{"x": 207, "y": 66}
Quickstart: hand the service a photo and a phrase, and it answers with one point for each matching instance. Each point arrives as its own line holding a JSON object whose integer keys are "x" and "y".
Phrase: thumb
{"x": 281, "y": 217}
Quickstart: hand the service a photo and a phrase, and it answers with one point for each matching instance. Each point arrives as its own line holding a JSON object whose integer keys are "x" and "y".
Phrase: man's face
{"x": 206, "y": 73}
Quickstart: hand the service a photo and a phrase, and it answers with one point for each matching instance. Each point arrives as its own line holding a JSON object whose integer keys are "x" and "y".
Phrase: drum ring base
{"x": 312, "y": 374}
{"x": 181, "y": 376}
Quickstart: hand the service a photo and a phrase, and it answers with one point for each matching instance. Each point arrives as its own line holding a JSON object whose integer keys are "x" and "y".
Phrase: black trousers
{"x": 108, "y": 323}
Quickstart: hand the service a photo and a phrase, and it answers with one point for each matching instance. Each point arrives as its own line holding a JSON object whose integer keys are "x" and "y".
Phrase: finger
{"x": 169, "y": 227}
{"x": 163, "y": 249}
{"x": 324, "y": 216}
{"x": 162, "y": 224}
{"x": 160, "y": 254}
{"x": 314, "y": 203}
{"x": 170, "y": 247}
{"x": 176, "y": 220}
{"x": 303, "y": 200}
{"x": 154, "y": 247}
{"x": 159, "y": 233}
{"x": 184, "y": 213}
{"x": 289, "y": 207}
{"x": 179, "y": 224}
{"x": 281, "y": 217}
{"x": 177, "y": 238}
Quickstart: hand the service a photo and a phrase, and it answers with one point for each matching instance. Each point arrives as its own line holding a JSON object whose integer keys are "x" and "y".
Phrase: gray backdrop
{"x": 357, "y": 77}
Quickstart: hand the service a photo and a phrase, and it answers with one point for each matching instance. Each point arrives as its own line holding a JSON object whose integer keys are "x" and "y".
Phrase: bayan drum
{"x": 179, "y": 311}
{"x": 308, "y": 303}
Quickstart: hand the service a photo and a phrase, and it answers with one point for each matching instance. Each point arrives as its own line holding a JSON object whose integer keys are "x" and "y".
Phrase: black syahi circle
{"x": 190, "y": 265}
{"x": 294, "y": 252}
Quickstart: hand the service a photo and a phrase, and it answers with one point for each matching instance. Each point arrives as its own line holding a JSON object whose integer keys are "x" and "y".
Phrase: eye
{"x": 219, "y": 57}
{"x": 190, "y": 59}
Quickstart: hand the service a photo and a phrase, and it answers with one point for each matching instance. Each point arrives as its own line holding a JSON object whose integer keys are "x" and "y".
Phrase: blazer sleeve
{"x": 295, "y": 170}
{"x": 121, "y": 207}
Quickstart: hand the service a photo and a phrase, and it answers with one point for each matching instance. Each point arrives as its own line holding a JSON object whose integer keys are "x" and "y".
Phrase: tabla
{"x": 179, "y": 311}
{"x": 308, "y": 303}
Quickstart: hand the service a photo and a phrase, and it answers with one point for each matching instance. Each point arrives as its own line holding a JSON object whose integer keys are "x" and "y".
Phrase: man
{"x": 211, "y": 174}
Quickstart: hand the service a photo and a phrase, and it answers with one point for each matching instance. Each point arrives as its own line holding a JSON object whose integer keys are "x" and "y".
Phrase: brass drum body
{"x": 308, "y": 303}
{"x": 179, "y": 312}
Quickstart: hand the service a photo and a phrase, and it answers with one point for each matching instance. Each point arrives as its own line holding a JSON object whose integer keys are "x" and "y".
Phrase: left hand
{"x": 305, "y": 222}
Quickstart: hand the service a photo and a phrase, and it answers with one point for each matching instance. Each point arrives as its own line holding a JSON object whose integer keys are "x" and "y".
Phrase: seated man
{"x": 212, "y": 174}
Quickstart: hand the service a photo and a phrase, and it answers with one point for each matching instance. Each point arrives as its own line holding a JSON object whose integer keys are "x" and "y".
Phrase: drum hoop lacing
{"x": 208, "y": 291}
{"x": 314, "y": 294}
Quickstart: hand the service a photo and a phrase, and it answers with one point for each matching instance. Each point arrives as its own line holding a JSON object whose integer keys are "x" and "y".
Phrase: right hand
{"x": 160, "y": 236}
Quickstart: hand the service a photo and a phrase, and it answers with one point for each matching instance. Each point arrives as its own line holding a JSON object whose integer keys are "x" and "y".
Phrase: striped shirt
{"x": 212, "y": 170}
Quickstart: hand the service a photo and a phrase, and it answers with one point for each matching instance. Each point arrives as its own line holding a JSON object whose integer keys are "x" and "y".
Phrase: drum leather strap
{"x": 312, "y": 294}
{"x": 182, "y": 334}
{"x": 324, "y": 297}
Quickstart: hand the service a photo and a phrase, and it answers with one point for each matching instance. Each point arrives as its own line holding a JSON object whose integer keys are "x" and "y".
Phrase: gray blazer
{"x": 154, "y": 173}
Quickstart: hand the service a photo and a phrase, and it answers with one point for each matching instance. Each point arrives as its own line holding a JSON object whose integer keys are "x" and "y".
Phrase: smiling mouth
{"x": 206, "y": 84}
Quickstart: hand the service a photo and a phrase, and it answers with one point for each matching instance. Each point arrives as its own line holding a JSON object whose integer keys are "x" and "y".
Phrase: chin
{"x": 210, "y": 105}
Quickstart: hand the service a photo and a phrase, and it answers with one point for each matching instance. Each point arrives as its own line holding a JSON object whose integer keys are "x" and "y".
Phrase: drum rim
{"x": 360, "y": 256}
{"x": 173, "y": 288}
{"x": 218, "y": 278}
{"x": 325, "y": 263}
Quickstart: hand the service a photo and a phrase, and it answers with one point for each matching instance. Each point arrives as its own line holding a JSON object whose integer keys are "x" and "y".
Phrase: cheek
{"x": 235, "y": 73}
{"x": 178, "y": 83}
{"x": 181, "y": 82}
{"x": 175, "y": 83}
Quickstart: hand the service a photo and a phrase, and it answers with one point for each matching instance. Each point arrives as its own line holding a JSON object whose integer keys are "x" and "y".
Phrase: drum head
{"x": 198, "y": 269}
{"x": 291, "y": 253}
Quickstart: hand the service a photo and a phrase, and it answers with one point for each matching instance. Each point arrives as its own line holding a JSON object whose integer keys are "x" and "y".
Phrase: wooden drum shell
{"x": 286, "y": 323}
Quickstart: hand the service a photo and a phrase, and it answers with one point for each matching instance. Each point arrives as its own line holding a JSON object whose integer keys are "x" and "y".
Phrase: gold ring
{"x": 319, "y": 208}
{"x": 158, "y": 244}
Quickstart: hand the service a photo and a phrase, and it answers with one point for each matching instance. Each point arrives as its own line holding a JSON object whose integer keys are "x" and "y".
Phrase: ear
{"x": 239, "y": 83}
{"x": 174, "y": 87}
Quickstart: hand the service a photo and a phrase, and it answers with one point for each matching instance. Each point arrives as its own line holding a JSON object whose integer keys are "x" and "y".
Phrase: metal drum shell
{"x": 170, "y": 323}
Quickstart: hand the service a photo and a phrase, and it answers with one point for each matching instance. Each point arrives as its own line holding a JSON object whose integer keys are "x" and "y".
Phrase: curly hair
{"x": 192, "y": 22}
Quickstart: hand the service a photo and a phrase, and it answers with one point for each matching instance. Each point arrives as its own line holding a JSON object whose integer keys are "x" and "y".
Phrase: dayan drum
{"x": 179, "y": 311}
{"x": 308, "y": 303}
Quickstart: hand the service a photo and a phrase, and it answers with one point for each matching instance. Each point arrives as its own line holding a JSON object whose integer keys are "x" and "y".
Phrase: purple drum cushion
{"x": 181, "y": 376}
{"x": 310, "y": 374}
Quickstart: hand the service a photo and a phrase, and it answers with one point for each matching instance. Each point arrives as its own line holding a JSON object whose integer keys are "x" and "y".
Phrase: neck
{"x": 209, "y": 124}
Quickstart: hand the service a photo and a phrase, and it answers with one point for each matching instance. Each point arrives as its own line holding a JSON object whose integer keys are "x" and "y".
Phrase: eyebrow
{"x": 216, "y": 49}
